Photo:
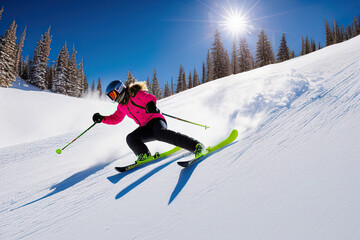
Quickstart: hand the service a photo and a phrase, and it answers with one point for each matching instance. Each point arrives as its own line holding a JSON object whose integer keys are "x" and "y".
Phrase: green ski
{"x": 233, "y": 135}
{"x": 156, "y": 156}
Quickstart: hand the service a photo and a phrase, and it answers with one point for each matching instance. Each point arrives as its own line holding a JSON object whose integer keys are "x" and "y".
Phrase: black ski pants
{"x": 156, "y": 129}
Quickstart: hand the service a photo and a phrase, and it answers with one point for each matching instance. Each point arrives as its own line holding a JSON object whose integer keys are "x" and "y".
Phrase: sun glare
{"x": 235, "y": 23}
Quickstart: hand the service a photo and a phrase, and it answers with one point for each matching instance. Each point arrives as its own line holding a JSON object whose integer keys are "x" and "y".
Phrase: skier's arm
{"x": 115, "y": 118}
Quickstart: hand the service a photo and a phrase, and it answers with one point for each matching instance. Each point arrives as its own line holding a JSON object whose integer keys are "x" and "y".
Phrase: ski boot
{"x": 200, "y": 150}
{"x": 142, "y": 157}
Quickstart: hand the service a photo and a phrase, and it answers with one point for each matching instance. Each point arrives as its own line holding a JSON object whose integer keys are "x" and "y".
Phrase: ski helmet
{"x": 116, "y": 91}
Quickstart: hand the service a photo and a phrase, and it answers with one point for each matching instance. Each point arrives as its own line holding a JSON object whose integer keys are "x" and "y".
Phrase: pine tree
{"x": 235, "y": 66}
{"x": 1, "y": 12}
{"x": 313, "y": 46}
{"x": 99, "y": 88}
{"x": 328, "y": 34}
{"x": 61, "y": 79}
{"x": 93, "y": 87}
{"x": 196, "y": 80}
{"x": 356, "y": 27}
{"x": 283, "y": 52}
{"x": 307, "y": 45}
{"x": 349, "y": 32}
{"x": 264, "y": 52}
{"x": 74, "y": 83}
{"x": 8, "y": 56}
{"x": 203, "y": 79}
{"x": 19, "y": 47}
{"x": 167, "y": 92}
{"x": 303, "y": 51}
{"x": 219, "y": 57}
{"x": 210, "y": 68}
{"x": 179, "y": 86}
{"x": 84, "y": 85}
{"x": 246, "y": 61}
{"x": 25, "y": 69}
{"x": 39, "y": 61}
{"x": 130, "y": 79}
{"x": 183, "y": 78}
{"x": 172, "y": 86}
{"x": 49, "y": 76}
{"x": 155, "y": 86}
{"x": 342, "y": 33}
{"x": 149, "y": 85}
{"x": 190, "y": 81}
{"x": 292, "y": 55}
{"x": 336, "y": 33}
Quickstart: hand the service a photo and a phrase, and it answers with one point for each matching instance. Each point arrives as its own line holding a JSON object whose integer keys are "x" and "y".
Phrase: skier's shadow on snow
{"x": 184, "y": 177}
{"x": 186, "y": 173}
{"x": 126, "y": 190}
{"x": 69, "y": 182}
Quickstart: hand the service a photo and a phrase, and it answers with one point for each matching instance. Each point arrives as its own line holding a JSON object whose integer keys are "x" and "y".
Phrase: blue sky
{"x": 115, "y": 36}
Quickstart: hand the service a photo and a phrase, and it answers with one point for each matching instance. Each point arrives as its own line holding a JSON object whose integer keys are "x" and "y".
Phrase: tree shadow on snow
{"x": 143, "y": 178}
{"x": 69, "y": 182}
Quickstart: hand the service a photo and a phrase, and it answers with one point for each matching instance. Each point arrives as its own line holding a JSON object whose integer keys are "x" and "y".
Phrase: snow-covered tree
{"x": 74, "y": 89}
{"x": 39, "y": 62}
{"x": 19, "y": 47}
{"x": 155, "y": 86}
{"x": 264, "y": 52}
{"x": 49, "y": 76}
{"x": 246, "y": 60}
{"x": 61, "y": 82}
{"x": 25, "y": 69}
{"x": 130, "y": 79}
{"x": 283, "y": 52}
{"x": 84, "y": 85}
{"x": 8, "y": 56}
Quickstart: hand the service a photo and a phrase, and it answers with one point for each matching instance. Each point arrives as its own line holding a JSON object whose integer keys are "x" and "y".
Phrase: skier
{"x": 140, "y": 106}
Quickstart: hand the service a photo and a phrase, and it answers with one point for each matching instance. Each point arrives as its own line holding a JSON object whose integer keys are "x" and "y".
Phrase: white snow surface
{"x": 293, "y": 172}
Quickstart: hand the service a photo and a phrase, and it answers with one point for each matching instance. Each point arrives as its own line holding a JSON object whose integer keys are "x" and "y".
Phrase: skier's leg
{"x": 161, "y": 133}
{"x": 136, "y": 139}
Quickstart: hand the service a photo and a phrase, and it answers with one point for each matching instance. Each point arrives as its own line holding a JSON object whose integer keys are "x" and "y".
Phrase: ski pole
{"x": 206, "y": 127}
{"x": 58, "y": 151}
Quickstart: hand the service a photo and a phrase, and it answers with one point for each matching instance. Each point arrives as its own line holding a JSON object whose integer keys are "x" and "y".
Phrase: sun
{"x": 235, "y": 21}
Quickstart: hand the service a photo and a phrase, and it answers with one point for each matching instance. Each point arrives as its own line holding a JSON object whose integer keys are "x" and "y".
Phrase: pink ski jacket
{"x": 134, "y": 109}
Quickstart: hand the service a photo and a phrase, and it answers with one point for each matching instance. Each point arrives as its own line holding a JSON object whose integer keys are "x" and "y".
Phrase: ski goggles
{"x": 116, "y": 96}
{"x": 113, "y": 95}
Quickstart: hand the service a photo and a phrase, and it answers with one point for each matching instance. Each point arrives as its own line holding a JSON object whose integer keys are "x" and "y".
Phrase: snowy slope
{"x": 293, "y": 173}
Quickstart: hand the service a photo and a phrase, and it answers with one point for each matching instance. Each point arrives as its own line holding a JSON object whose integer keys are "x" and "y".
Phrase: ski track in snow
{"x": 291, "y": 174}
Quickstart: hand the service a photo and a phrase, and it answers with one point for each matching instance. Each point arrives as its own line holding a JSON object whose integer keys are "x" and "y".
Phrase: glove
{"x": 151, "y": 108}
{"x": 97, "y": 118}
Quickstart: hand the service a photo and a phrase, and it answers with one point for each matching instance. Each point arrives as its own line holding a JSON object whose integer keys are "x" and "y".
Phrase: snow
{"x": 293, "y": 172}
